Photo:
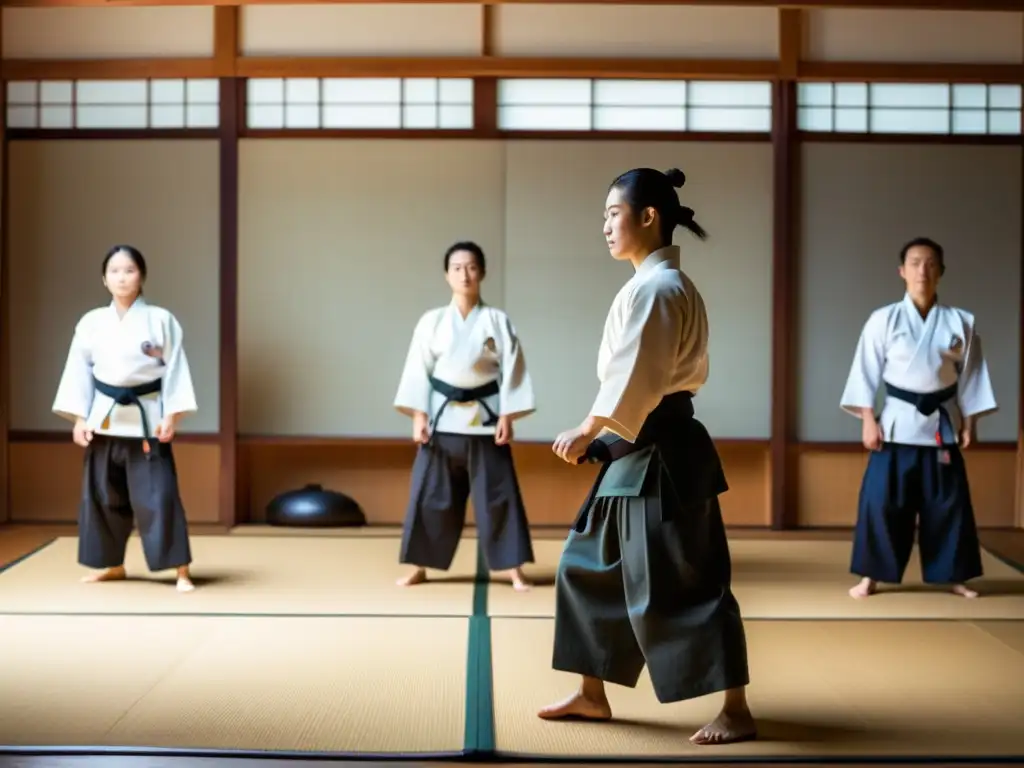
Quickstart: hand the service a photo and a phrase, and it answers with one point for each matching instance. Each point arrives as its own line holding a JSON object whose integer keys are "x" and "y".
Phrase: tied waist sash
{"x": 928, "y": 403}
{"x": 609, "y": 448}
{"x": 130, "y": 396}
{"x": 464, "y": 395}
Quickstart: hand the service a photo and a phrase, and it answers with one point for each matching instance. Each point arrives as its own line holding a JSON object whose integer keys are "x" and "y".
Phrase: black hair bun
{"x": 676, "y": 177}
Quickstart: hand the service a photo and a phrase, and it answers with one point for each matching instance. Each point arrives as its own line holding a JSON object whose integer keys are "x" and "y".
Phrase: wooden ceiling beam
{"x": 922, "y": 5}
{"x": 110, "y": 69}
{"x": 899, "y": 72}
{"x": 498, "y": 66}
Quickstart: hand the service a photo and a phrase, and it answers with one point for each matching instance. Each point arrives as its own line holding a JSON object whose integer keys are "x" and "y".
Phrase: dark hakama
{"x": 902, "y": 482}
{"x": 645, "y": 573}
{"x": 447, "y": 472}
{"x": 450, "y": 470}
{"x": 123, "y": 483}
{"x": 130, "y": 480}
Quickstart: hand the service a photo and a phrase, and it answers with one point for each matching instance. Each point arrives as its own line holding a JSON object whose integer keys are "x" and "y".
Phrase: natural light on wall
{"x": 634, "y": 105}
{"x": 360, "y": 103}
{"x": 113, "y": 104}
{"x": 935, "y": 108}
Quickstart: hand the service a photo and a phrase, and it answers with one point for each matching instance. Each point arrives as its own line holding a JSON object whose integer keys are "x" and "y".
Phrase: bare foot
{"x": 185, "y": 581}
{"x": 964, "y": 591}
{"x": 117, "y": 573}
{"x": 578, "y": 707}
{"x": 519, "y": 581}
{"x": 418, "y": 576}
{"x": 865, "y": 588}
{"x": 727, "y": 728}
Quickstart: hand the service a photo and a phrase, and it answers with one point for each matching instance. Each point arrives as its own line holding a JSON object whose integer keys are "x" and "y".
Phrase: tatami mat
{"x": 819, "y": 689}
{"x": 803, "y": 580}
{"x": 246, "y": 575}
{"x": 382, "y": 685}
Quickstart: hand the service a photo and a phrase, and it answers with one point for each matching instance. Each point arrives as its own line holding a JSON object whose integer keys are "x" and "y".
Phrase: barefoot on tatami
{"x": 865, "y": 588}
{"x": 185, "y": 581}
{"x": 964, "y": 591}
{"x": 727, "y": 728}
{"x": 519, "y": 581}
{"x": 418, "y": 576}
{"x": 117, "y": 573}
{"x": 578, "y": 707}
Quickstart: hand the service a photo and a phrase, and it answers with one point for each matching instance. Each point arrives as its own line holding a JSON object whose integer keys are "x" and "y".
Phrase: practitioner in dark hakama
{"x": 126, "y": 385}
{"x": 928, "y": 358}
{"x": 464, "y": 384}
{"x": 644, "y": 577}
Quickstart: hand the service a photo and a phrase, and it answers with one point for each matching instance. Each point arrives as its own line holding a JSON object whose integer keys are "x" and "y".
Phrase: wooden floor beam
{"x": 920, "y": 5}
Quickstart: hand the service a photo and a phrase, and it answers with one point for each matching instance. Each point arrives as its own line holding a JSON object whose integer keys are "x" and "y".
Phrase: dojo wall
{"x": 341, "y": 246}
{"x": 339, "y": 240}
{"x": 356, "y": 230}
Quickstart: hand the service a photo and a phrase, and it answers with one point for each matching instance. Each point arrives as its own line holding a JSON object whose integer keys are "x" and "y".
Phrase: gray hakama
{"x": 645, "y": 573}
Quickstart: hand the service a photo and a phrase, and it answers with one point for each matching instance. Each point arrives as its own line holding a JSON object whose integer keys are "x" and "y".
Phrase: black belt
{"x": 464, "y": 395}
{"x": 928, "y": 403}
{"x": 608, "y": 448}
{"x": 130, "y": 396}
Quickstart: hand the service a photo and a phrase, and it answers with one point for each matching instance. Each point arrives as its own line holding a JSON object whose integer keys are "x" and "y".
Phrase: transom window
{"x": 113, "y": 104}
{"x": 528, "y": 104}
{"x": 922, "y": 108}
{"x": 360, "y": 103}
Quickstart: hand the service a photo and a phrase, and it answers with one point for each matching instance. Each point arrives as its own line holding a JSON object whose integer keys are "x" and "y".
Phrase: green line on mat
{"x": 479, "y": 680}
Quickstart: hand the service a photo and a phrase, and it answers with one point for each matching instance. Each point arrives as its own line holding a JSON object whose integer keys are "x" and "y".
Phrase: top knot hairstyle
{"x": 647, "y": 188}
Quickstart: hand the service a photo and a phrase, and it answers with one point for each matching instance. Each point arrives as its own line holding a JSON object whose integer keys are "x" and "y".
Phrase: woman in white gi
{"x": 645, "y": 573}
{"x": 928, "y": 357}
{"x": 126, "y": 385}
{"x": 464, "y": 384}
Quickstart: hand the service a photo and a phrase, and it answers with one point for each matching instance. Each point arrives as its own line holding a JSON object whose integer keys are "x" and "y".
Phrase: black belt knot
{"x": 464, "y": 395}
{"x": 130, "y": 396}
{"x": 928, "y": 403}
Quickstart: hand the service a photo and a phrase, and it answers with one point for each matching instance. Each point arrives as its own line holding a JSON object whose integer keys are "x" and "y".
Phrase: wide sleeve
{"x": 177, "y": 392}
{"x": 414, "y": 389}
{"x": 976, "y": 396}
{"x": 516, "y": 398}
{"x": 865, "y": 375}
{"x": 76, "y": 390}
{"x": 639, "y": 368}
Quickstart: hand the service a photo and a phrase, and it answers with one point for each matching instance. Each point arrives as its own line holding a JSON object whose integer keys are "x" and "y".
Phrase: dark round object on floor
{"x": 313, "y": 507}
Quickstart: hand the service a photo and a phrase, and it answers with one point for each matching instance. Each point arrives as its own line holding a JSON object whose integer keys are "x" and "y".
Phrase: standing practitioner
{"x": 928, "y": 357}
{"x": 464, "y": 383}
{"x": 127, "y": 381}
{"x": 645, "y": 573}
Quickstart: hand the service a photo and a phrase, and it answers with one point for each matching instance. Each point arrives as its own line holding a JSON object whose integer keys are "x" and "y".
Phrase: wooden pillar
{"x": 1019, "y": 499}
{"x": 5, "y": 304}
{"x": 782, "y": 500}
{"x": 231, "y": 504}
